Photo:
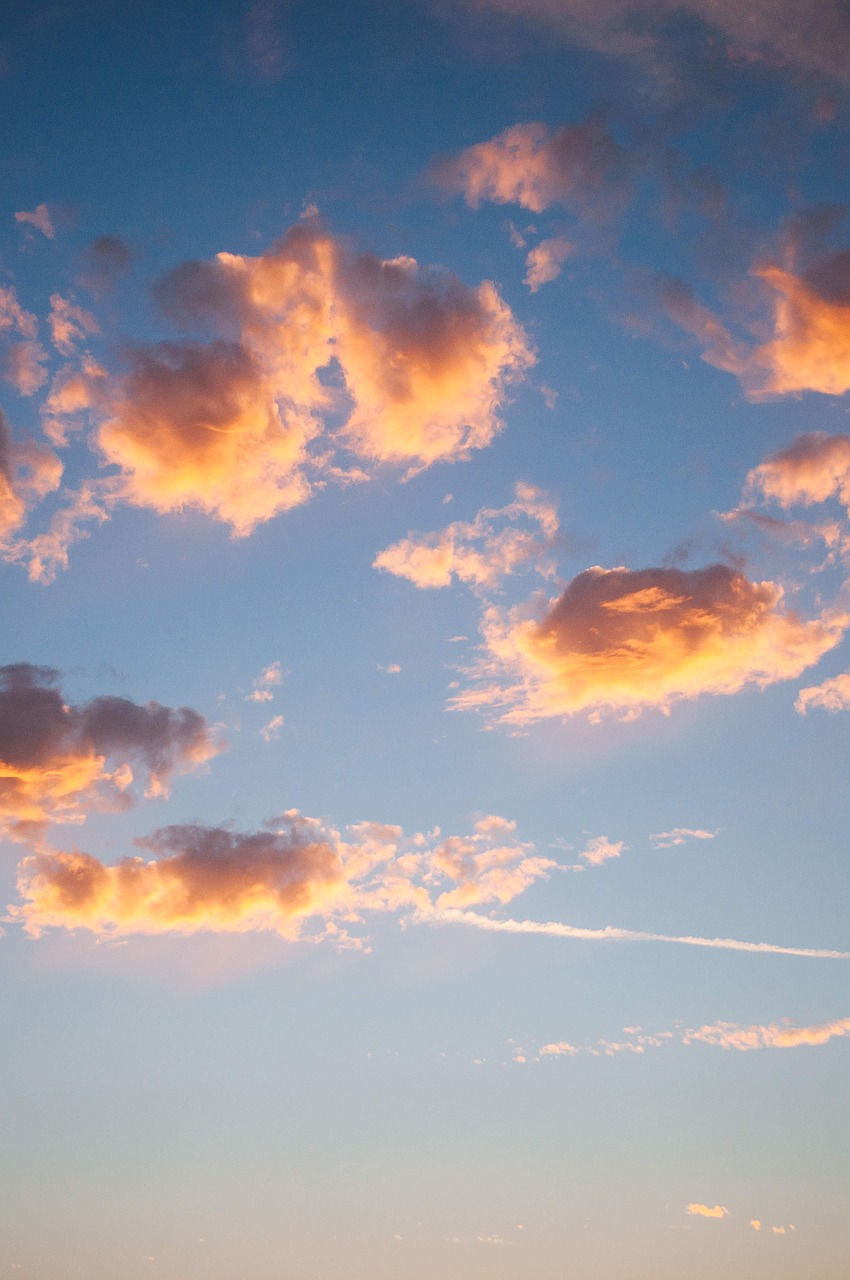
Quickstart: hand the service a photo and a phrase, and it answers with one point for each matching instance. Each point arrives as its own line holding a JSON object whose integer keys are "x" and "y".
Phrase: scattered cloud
{"x": 703, "y": 1211}
{"x": 58, "y": 760}
{"x": 268, "y": 679}
{"x": 813, "y": 468}
{"x": 271, "y": 732}
{"x": 831, "y": 695}
{"x": 21, "y": 354}
{"x": 105, "y": 259}
{"x": 681, "y": 835}
{"x": 530, "y": 165}
{"x": 479, "y": 552}
{"x": 39, "y": 218}
{"x": 28, "y": 472}
{"x": 545, "y": 260}
{"x": 620, "y": 641}
{"x": 69, "y": 324}
{"x": 730, "y": 1035}
{"x": 601, "y": 849}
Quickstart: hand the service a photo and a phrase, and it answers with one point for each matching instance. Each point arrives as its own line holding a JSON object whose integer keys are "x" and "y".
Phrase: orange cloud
{"x": 58, "y": 760}
{"x": 21, "y": 360}
{"x": 730, "y": 1035}
{"x": 68, "y": 323}
{"x": 478, "y": 552}
{"x": 815, "y": 467}
{"x": 534, "y": 167}
{"x": 703, "y": 1211}
{"x": 810, "y": 350}
{"x": 545, "y": 260}
{"x": 619, "y": 641}
{"x": 196, "y": 425}
{"x": 28, "y": 472}
{"x": 318, "y": 353}
{"x": 294, "y": 871}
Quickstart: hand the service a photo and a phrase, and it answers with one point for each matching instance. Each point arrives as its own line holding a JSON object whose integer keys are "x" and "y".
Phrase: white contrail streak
{"x": 553, "y": 929}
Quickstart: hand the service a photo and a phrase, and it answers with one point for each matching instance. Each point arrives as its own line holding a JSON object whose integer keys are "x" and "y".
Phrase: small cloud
{"x": 679, "y": 835}
{"x": 271, "y": 732}
{"x": 268, "y": 678}
{"x": 703, "y": 1211}
{"x": 393, "y": 669}
{"x": 544, "y": 262}
{"x": 40, "y": 218}
{"x": 601, "y": 849}
{"x": 755, "y": 1224}
{"x": 832, "y": 695}
{"x": 550, "y": 396}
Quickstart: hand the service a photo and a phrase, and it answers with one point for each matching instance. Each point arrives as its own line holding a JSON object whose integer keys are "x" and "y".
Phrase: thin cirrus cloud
{"x": 681, "y": 835}
{"x": 812, "y": 35}
{"x": 480, "y": 552}
{"x": 579, "y": 165}
{"x": 57, "y": 760}
{"x": 315, "y": 362}
{"x": 620, "y": 641}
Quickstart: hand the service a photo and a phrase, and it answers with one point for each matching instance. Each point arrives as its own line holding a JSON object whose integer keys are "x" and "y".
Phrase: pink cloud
{"x": 40, "y": 218}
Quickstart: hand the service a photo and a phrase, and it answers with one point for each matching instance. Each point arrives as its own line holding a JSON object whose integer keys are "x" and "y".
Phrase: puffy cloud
{"x": 680, "y": 835}
{"x": 483, "y": 869}
{"x": 21, "y": 360}
{"x": 317, "y": 352}
{"x": 40, "y": 218}
{"x": 271, "y": 732}
{"x": 194, "y": 425}
{"x": 621, "y": 640}
{"x": 730, "y": 1035}
{"x": 28, "y": 471}
{"x": 545, "y": 260}
{"x": 535, "y": 167}
{"x": 68, "y": 323}
{"x": 755, "y": 1224}
{"x": 815, "y": 467}
{"x": 832, "y": 695}
{"x": 703, "y": 1211}
{"x": 600, "y": 849}
{"x": 810, "y": 34}
{"x": 810, "y": 349}
{"x": 478, "y": 551}
{"x": 58, "y": 760}
{"x": 269, "y": 677}
{"x": 47, "y": 552}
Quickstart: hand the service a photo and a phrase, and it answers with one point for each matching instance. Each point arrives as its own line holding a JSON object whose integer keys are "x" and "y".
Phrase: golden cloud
{"x": 619, "y": 641}
{"x": 479, "y": 552}
{"x": 58, "y": 760}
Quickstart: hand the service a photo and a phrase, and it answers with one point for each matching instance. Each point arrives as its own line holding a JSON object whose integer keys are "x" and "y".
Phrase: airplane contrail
{"x": 554, "y": 929}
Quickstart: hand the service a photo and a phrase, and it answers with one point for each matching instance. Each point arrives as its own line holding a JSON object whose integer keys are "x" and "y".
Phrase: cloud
{"x": 832, "y": 695}
{"x": 40, "y": 218}
{"x": 317, "y": 353}
{"x": 46, "y": 553}
{"x": 530, "y": 165}
{"x": 545, "y": 260}
{"x": 703, "y": 1211}
{"x": 730, "y": 1035}
{"x": 601, "y": 849}
{"x": 194, "y": 425}
{"x": 810, "y": 349}
{"x": 620, "y": 641}
{"x": 296, "y": 876}
{"x": 680, "y": 835}
{"x": 68, "y": 324}
{"x": 28, "y": 472}
{"x": 271, "y": 732}
{"x": 813, "y": 468}
{"x": 813, "y": 35}
{"x": 479, "y": 552}
{"x": 105, "y": 259}
{"x": 268, "y": 678}
{"x": 59, "y": 760}
{"x": 21, "y": 360}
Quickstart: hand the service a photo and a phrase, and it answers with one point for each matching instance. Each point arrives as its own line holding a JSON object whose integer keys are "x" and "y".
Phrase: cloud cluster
{"x": 479, "y": 552}
{"x": 813, "y": 468}
{"x": 620, "y": 641}
{"x": 296, "y": 877}
{"x": 58, "y": 760}
{"x": 534, "y": 167}
{"x": 304, "y": 365}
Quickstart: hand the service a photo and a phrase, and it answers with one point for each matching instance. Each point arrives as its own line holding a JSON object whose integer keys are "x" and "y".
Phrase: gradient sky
{"x": 424, "y": 688}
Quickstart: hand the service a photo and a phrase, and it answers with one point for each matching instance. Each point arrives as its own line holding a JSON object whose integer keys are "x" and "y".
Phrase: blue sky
{"x": 429, "y": 418}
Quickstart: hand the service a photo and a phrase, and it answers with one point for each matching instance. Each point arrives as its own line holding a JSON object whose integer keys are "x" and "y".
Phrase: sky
{"x": 424, "y": 681}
